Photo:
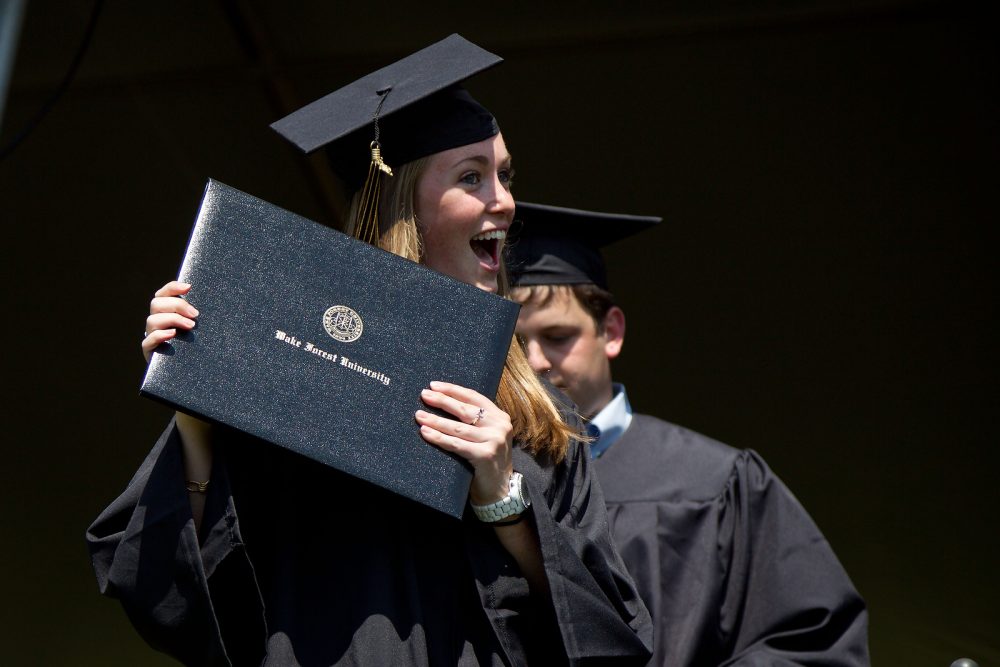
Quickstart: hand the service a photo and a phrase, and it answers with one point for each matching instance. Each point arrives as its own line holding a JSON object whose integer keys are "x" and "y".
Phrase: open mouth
{"x": 487, "y": 247}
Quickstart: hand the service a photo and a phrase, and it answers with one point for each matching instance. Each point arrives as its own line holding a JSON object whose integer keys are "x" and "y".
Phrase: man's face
{"x": 564, "y": 344}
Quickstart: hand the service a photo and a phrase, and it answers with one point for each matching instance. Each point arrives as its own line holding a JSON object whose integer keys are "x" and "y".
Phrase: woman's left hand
{"x": 481, "y": 433}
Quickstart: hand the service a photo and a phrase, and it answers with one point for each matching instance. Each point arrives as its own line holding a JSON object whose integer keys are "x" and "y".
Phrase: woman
{"x": 225, "y": 549}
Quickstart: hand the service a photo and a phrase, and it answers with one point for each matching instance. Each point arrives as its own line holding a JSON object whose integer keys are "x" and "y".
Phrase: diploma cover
{"x": 321, "y": 344}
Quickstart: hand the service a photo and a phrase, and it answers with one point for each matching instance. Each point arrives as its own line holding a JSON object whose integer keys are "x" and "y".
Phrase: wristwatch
{"x": 515, "y": 502}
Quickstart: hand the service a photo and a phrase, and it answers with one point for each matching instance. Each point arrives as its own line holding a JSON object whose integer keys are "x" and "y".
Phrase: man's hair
{"x": 594, "y": 300}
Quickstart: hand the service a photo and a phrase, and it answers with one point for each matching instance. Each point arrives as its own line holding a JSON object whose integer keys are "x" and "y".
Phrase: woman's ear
{"x": 614, "y": 332}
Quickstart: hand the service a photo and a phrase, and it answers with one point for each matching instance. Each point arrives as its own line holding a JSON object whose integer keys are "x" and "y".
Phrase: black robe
{"x": 732, "y": 569}
{"x": 308, "y": 566}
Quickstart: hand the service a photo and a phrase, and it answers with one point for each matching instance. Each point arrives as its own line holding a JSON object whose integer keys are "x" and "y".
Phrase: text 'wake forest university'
{"x": 332, "y": 357}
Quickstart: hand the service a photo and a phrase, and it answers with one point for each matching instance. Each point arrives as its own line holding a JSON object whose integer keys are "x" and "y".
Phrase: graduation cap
{"x": 562, "y": 246}
{"x": 410, "y": 109}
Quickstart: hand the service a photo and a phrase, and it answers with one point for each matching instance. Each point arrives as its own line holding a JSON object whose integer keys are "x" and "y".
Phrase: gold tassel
{"x": 366, "y": 227}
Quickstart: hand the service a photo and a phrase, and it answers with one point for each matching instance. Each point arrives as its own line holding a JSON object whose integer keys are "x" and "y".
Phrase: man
{"x": 729, "y": 564}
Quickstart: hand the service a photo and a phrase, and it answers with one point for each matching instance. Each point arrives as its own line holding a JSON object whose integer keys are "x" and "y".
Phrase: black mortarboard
{"x": 562, "y": 246}
{"x": 420, "y": 107}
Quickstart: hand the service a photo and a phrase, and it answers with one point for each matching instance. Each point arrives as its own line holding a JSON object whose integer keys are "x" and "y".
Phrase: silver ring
{"x": 479, "y": 415}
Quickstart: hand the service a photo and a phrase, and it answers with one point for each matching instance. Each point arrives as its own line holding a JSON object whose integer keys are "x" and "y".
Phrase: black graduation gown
{"x": 299, "y": 564}
{"x": 729, "y": 564}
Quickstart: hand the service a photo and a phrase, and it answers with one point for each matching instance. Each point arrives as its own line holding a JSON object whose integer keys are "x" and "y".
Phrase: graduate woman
{"x": 225, "y": 549}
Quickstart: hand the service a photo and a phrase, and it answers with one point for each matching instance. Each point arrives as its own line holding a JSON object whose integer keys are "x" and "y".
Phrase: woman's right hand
{"x": 168, "y": 312}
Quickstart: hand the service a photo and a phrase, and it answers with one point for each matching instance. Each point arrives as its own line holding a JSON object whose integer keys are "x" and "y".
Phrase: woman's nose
{"x": 504, "y": 200}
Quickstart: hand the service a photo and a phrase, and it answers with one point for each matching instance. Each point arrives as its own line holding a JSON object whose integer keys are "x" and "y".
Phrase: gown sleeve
{"x": 600, "y": 615}
{"x": 788, "y": 600}
{"x": 146, "y": 552}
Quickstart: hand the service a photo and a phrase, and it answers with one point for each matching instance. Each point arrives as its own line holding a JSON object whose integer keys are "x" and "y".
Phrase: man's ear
{"x": 614, "y": 332}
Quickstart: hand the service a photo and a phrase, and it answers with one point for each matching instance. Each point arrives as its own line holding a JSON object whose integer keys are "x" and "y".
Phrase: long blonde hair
{"x": 537, "y": 423}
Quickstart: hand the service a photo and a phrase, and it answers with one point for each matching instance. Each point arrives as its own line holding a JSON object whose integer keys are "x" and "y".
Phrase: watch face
{"x": 522, "y": 491}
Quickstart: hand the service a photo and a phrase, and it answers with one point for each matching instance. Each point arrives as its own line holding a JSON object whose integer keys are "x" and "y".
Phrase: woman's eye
{"x": 506, "y": 177}
{"x": 470, "y": 178}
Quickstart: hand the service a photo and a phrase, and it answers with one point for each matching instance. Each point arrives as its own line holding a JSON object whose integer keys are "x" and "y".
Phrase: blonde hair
{"x": 538, "y": 425}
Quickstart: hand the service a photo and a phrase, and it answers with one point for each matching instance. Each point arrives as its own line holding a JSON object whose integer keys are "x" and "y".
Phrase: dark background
{"x": 821, "y": 289}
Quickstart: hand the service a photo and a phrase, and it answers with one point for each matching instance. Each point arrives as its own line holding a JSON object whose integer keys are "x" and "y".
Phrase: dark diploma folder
{"x": 321, "y": 344}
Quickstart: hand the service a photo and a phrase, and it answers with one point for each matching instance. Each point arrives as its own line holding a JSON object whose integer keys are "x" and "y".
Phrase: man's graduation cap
{"x": 562, "y": 246}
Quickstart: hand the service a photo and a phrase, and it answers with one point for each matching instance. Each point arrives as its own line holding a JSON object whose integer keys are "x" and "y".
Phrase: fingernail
{"x": 426, "y": 392}
{"x": 420, "y": 414}
{"x": 194, "y": 312}
{"x": 436, "y": 385}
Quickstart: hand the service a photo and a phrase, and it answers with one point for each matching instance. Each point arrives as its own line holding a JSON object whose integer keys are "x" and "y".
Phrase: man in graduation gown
{"x": 730, "y": 565}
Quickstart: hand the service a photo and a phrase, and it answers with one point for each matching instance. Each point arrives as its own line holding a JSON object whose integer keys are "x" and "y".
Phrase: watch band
{"x": 512, "y": 504}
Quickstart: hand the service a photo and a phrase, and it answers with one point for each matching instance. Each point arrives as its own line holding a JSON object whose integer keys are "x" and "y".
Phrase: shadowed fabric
{"x": 732, "y": 568}
{"x": 302, "y": 565}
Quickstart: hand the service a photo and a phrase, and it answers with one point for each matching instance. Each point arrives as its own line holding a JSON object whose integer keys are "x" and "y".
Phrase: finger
{"x": 450, "y": 443}
{"x": 446, "y": 442}
{"x": 153, "y": 340}
{"x": 168, "y": 321}
{"x": 174, "y": 288}
{"x": 462, "y": 411}
{"x": 457, "y": 429}
{"x": 172, "y": 304}
{"x": 463, "y": 394}
{"x": 489, "y": 481}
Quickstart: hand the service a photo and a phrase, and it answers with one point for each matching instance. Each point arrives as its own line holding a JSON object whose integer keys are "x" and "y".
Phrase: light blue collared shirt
{"x": 609, "y": 424}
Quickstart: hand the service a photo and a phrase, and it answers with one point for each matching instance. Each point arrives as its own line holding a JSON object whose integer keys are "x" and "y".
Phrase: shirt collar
{"x": 609, "y": 424}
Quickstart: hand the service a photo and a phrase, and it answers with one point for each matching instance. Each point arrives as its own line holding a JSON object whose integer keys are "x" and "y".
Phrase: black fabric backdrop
{"x": 820, "y": 289}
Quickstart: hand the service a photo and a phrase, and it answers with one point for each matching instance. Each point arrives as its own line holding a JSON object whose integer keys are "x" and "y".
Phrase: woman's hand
{"x": 481, "y": 433}
{"x": 167, "y": 313}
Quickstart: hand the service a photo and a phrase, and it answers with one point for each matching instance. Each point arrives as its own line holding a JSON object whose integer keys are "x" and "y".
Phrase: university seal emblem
{"x": 343, "y": 323}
